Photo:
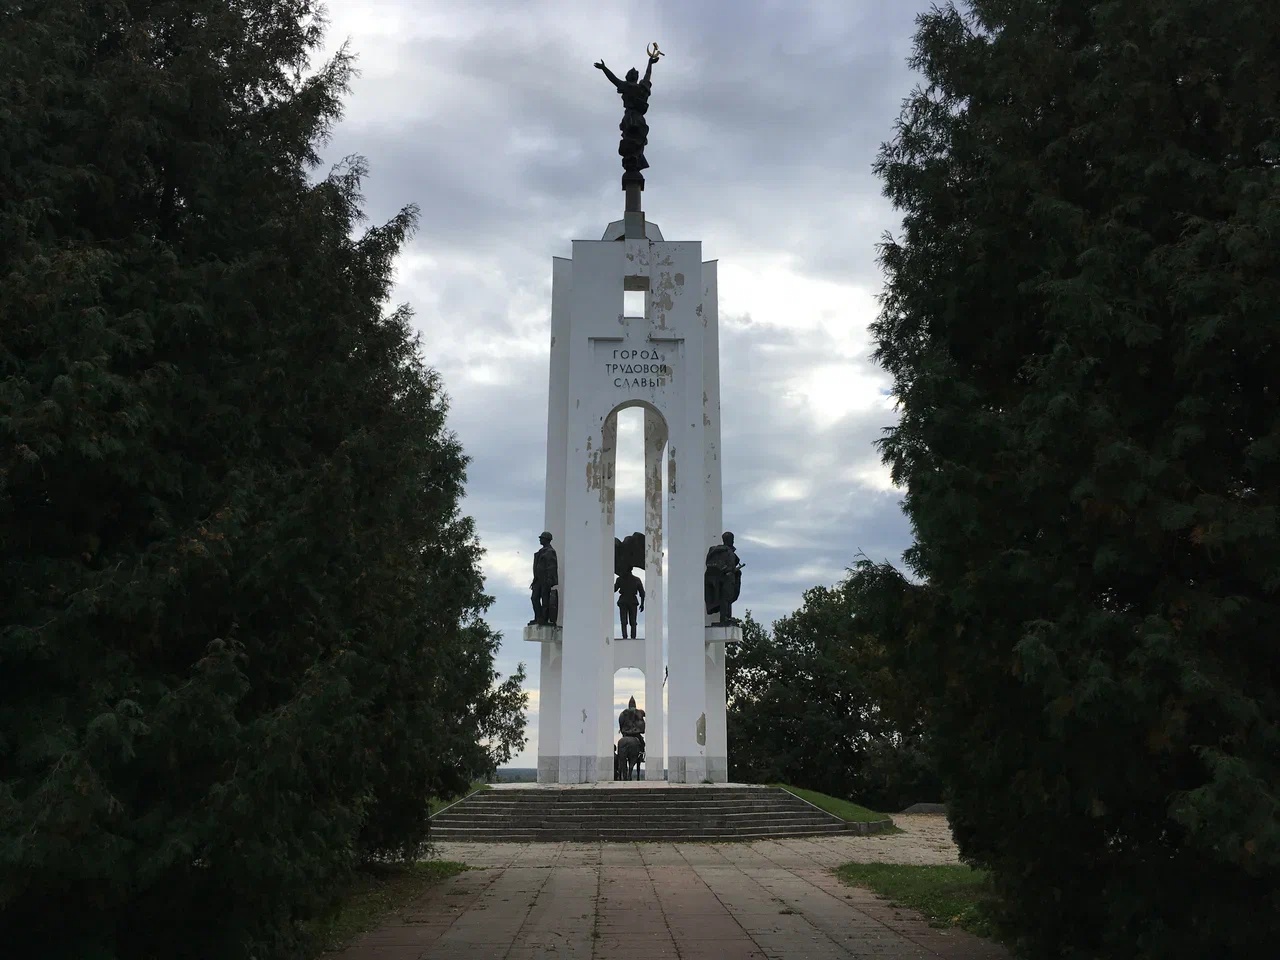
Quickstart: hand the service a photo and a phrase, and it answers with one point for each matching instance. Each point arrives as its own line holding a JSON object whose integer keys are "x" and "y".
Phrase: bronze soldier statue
{"x": 546, "y": 579}
{"x": 628, "y": 587}
{"x": 723, "y": 579}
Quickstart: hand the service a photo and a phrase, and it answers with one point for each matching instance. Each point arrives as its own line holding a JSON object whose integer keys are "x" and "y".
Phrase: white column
{"x": 549, "y": 713}
{"x": 717, "y": 737}
{"x": 686, "y": 608}
{"x": 595, "y": 306}
{"x": 558, "y": 406}
{"x": 717, "y": 719}
{"x": 677, "y": 322}
{"x": 717, "y": 761}
{"x": 655, "y": 442}
{"x": 554, "y": 511}
{"x": 606, "y": 718}
{"x": 584, "y": 651}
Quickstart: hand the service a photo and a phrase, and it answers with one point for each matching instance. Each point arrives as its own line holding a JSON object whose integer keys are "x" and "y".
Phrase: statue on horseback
{"x": 629, "y": 753}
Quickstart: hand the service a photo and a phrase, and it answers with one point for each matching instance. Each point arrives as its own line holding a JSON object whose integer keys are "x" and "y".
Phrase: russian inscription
{"x": 638, "y": 368}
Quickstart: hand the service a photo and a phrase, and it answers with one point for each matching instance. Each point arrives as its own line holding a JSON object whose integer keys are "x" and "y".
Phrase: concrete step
{"x": 628, "y": 812}
{"x": 760, "y": 804}
{"x": 624, "y": 827}
{"x": 588, "y": 813}
{"x": 625, "y": 794}
{"x": 743, "y": 803}
{"x": 627, "y": 798}
{"x": 632, "y": 832}
{"x": 594, "y": 822}
{"x": 462, "y": 835}
{"x": 636, "y": 813}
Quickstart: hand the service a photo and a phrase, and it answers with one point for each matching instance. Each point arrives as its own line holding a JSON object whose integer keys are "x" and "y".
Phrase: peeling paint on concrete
{"x": 700, "y": 730}
{"x": 653, "y": 497}
{"x": 679, "y": 279}
{"x": 662, "y": 298}
{"x": 608, "y": 455}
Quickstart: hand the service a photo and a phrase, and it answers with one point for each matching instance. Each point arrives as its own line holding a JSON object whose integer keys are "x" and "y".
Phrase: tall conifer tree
{"x": 1080, "y": 320}
{"x": 240, "y": 636}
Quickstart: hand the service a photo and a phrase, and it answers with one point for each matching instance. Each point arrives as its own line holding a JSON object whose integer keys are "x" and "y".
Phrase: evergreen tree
{"x": 240, "y": 643}
{"x": 1080, "y": 319}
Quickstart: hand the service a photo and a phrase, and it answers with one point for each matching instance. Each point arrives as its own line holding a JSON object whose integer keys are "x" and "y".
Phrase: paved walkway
{"x": 730, "y": 901}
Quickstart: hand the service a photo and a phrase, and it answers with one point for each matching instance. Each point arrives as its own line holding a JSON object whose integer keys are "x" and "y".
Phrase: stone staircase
{"x": 639, "y": 812}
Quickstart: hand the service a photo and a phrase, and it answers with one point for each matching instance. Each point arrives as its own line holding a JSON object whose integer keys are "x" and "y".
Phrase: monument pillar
{"x": 557, "y": 461}
{"x": 606, "y": 719}
{"x": 717, "y": 732}
{"x": 666, "y": 362}
{"x": 655, "y": 445}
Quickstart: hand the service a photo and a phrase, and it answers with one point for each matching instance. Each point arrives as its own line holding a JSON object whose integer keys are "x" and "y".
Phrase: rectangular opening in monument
{"x": 633, "y": 303}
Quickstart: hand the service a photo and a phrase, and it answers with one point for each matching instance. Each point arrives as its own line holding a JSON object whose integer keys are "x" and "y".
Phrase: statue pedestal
{"x": 723, "y": 633}
{"x": 716, "y": 640}
{"x": 543, "y": 633}
{"x": 551, "y": 639}
{"x": 628, "y": 652}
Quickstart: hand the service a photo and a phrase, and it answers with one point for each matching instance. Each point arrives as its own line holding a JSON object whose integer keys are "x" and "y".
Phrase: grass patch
{"x": 376, "y": 890}
{"x": 844, "y": 809}
{"x": 949, "y": 895}
{"x": 436, "y": 804}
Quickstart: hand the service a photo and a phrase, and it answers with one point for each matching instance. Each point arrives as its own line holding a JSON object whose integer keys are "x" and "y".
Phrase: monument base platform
{"x": 543, "y": 633}
{"x": 724, "y": 633}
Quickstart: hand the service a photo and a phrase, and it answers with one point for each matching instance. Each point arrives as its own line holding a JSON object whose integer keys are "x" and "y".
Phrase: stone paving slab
{"x": 766, "y": 900}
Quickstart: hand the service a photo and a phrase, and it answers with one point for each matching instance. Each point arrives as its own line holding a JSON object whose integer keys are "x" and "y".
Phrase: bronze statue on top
{"x": 723, "y": 579}
{"x": 635, "y": 132}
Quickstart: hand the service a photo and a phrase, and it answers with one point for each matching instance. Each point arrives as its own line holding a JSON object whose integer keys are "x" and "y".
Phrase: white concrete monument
{"x": 664, "y": 360}
{"x": 662, "y": 356}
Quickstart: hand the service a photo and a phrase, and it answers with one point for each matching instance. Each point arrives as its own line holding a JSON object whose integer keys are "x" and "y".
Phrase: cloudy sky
{"x": 765, "y": 118}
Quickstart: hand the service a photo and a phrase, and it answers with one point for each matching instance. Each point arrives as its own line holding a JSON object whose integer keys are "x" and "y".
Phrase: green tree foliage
{"x": 241, "y": 636}
{"x": 816, "y": 703}
{"x": 1080, "y": 320}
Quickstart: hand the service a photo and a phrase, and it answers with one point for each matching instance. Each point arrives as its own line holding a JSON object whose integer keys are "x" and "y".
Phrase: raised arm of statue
{"x": 609, "y": 73}
{"x": 648, "y": 71}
